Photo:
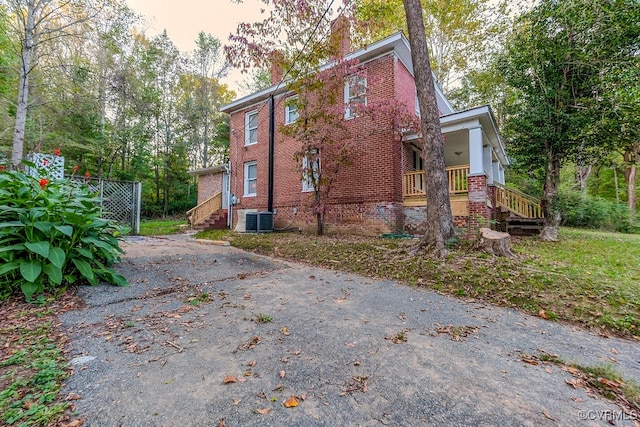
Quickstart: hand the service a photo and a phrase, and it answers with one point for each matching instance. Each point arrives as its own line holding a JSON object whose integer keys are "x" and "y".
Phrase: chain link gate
{"x": 120, "y": 200}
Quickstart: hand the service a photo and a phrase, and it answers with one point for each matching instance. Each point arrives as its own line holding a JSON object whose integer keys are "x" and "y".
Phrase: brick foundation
{"x": 415, "y": 219}
{"x": 367, "y": 219}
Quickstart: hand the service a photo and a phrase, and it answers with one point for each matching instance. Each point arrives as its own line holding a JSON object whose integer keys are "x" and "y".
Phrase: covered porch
{"x": 475, "y": 159}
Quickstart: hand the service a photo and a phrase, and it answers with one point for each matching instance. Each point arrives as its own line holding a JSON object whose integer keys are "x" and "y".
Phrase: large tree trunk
{"x": 28, "y": 44}
{"x": 631, "y": 157}
{"x": 439, "y": 224}
{"x": 552, "y": 218}
{"x": 582, "y": 175}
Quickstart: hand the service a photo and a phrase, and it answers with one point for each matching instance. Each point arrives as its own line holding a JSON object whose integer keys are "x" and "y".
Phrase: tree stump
{"x": 495, "y": 242}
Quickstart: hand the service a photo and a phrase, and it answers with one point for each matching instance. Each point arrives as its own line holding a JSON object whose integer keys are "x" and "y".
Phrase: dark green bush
{"x": 52, "y": 235}
{"x": 579, "y": 209}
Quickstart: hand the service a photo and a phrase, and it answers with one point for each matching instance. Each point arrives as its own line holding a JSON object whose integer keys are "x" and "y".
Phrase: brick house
{"x": 383, "y": 190}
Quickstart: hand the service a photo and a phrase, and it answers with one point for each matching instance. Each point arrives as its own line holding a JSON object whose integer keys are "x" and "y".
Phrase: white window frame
{"x": 417, "y": 106}
{"x": 247, "y": 179}
{"x": 249, "y": 129}
{"x": 291, "y": 109}
{"x": 352, "y": 98}
{"x": 307, "y": 182}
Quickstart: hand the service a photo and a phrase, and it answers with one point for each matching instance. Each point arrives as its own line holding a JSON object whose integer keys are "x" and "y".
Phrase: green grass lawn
{"x": 589, "y": 278}
{"x": 158, "y": 227}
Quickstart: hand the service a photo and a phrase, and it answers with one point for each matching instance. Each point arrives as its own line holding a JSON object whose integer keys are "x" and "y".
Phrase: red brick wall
{"x": 405, "y": 86}
{"x": 478, "y": 208}
{"x": 373, "y": 179}
{"x": 208, "y": 186}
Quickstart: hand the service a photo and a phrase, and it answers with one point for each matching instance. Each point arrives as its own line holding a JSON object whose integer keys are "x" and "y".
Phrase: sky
{"x": 184, "y": 19}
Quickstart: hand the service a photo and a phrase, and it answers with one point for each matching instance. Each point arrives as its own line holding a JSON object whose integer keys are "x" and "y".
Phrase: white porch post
{"x": 501, "y": 174}
{"x": 475, "y": 151}
{"x": 495, "y": 165}
{"x": 486, "y": 163}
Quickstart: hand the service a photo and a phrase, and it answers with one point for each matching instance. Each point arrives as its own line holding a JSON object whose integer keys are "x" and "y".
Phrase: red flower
{"x": 88, "y": 175}
{"x": 75, "y": 169}
{"x": 56, "y": 152}
{"x": 43, "y": 183}
{"x": 45, "y": 162}
{"x": 1, "y": 168}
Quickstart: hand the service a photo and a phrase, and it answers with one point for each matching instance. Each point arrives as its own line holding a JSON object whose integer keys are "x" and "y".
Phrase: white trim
{"x": 288, "y": 102}
{"x": 360, "y": 76}
{"x": 246, "y": 179}
{"x": 248, "y": 129}
{"x": 307, "y": 183}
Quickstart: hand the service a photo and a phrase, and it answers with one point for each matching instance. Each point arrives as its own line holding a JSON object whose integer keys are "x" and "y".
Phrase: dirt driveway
{"x": 213, "y": 336}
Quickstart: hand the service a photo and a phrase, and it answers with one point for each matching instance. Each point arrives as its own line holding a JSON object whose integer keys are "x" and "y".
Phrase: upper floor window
{"x": 250, "y": 179}
{"x": 355, "y": 93}
{"x": 291, "y": 110}
{"x": 251, "y": 128}
{"x": 310, "y": 170}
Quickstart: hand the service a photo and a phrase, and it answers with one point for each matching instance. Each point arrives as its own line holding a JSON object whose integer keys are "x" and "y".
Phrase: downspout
{"x": 227, "y": 168}
{"x": 272, "y": 133}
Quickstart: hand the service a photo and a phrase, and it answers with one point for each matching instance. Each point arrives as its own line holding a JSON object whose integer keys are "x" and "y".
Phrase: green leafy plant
{"x": 52, "y": 235}
{"x": 263, "y": 318}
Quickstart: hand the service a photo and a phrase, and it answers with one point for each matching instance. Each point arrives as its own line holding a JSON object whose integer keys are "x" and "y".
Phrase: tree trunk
{"x": 582, "y": 175}
{"x": 319, "y": 214}
{"x": 552, "y": 217}
{"x": 439, "y": 224}
{"x": 630, "y": 174}
{"x": 495, "y": 242}
{"x": 17, "y": 152}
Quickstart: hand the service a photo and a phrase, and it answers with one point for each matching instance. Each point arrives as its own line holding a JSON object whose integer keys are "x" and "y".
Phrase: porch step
{"x": 523, "y": 226}
{"x": 216, "y": 221}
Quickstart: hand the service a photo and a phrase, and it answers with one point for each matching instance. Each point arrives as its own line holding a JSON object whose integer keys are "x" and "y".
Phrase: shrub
{"x": 582, "y": 210}
{"x": 52, "y": 235}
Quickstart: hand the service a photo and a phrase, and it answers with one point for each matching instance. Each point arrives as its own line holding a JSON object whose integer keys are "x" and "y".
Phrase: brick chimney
{"x": 277, "y": 73}
{"x": 340, "y": 35}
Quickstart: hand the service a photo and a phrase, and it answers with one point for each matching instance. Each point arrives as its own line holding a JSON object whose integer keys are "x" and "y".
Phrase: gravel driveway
{"x": 210, "y": 335}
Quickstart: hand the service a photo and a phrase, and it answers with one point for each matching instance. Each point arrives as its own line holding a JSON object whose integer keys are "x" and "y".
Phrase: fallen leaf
{"x": 577, "y": 399}
{"x": 261, "y": 395}
{"x": 285, "y": 331}
{"x": 247, "y": 374}
{"x": 543, "y": 314}
{"x": 303, "y": 396}
{"x": 230, "y": 379}
{"x": 252, "y": 363}
{"x": 291, "y": 402}
{"x": 73, "y": 396}
{"x": 242, "y": 379}
{"x": 532, "y": 360}
{"x": 282, "y": 374}
{"x": 548, "y": 416}
{"x": 614, "y": 351}
{"x": 236, "y": 401}
{"x": 548, "y": 370}
{"x": 222, "y": 423}
{"x": 611, "y": 384}
{"x": 264, "y": 411}
{"x": 575, "y": 383}
{"x": 75, "y": 423}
